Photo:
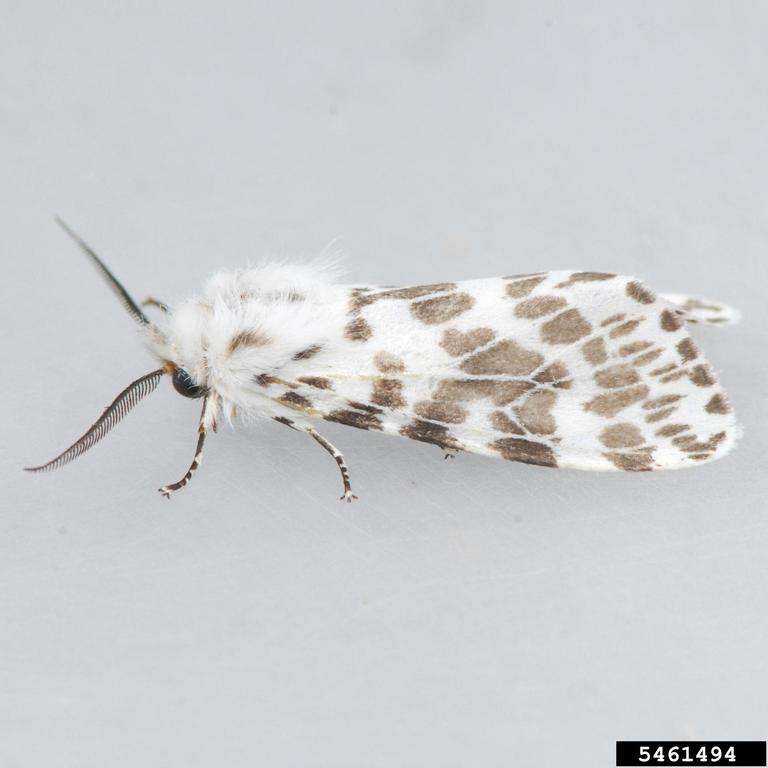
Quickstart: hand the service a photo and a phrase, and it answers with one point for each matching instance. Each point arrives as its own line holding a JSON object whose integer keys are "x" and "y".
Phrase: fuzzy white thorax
{"x": 274, "y": 310}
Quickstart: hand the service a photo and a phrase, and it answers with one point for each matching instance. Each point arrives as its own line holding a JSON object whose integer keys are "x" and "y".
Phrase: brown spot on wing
{"x": 660, "y": 415}
{"x": 670, "y": 321}
{"x": 634, "y": 347}
{"x": 355, "y": 419}
{"x": 310, "y": 351}
{"x": 386, "y": 362}
{"x": 539, "y": 306}
{"x": 357, "y": 300}
{"x": 717, "y": 404}
{"x": 594, "y": 351}
{"x": 670, "y": 430}
{"x": 624, "y": 435}
{"x": 565, "y": 328}
{"x": 621, "y": 375}
{"x": 625, "y": 328}
{"x": 318, "y": 382}
{"x": 440, "y": 410}
{"x": 428, "y": 432}
{"x": 518, "y": 275}
{"x": 413, "y": 291}
{"x": 521, "y": 288}
{"x": 660, "y": 402}
{"x": 640, "y": 293}
{"x": 463, "y": 390}
{"x": 640, "y": 460}
{"x": 690, "y": 444}
{"x": 552, "y": 373}
{"x": 505, "y": 357}
{"x": 358, "y": 330}
{"x": 687, "y": 350}
{"x": 585, "y": 277}
{"x": 501, "y": 422}
{"x": 388, "y": 393}
{"x": 526, "y": 451}
{"x": 441, "y": 308}
{"x": 701, "y": 376}
{"x": 610, "y": 403}
{"x": 363, "y": 407}
{"x": 362, "y": 297}
{"x": 612, "y": 319}
{"x": 647, "y": 357}
{"x": 456, "y": 343}
{"x": 672, "y": 377}
{"x": 535, "y": 413}
{"x": 295, "y": 401}
{"x": 265, "y": 379}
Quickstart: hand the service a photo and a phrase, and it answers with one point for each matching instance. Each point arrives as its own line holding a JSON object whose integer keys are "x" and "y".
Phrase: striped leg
{"x": 167, "y": 490}
{"x": 348, "y": 495}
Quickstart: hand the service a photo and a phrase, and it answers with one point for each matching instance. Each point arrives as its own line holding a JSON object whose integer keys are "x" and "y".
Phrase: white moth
{"x": 587, "y": 370}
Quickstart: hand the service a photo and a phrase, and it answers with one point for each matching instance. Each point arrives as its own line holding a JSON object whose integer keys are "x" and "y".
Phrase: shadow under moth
{"x": 586, "y": 370}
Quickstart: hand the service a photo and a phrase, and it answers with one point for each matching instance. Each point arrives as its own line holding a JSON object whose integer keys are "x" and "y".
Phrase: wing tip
{"x": 698, "y": 310}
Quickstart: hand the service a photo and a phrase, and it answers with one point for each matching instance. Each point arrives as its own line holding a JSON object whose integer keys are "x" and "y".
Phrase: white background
{"x": 461, "y": 613}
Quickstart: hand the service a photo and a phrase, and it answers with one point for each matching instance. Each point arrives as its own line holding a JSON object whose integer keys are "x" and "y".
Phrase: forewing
{"x": 572, "y": 369}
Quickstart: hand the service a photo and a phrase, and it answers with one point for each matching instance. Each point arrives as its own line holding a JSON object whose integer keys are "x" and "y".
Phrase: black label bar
{"x": 690, "y": 753}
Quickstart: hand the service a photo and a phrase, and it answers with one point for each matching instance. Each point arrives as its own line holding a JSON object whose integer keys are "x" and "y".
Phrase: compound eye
{"x": 183, "y": 384}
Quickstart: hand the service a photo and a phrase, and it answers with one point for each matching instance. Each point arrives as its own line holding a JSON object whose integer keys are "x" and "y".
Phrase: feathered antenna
{"x": 131, "y": 395}
{"x": 112, "y": 415}
{"x": 116, "y": 286}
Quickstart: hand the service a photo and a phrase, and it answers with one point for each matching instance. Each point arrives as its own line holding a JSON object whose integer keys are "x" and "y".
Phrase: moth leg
{"x": 167, "y": 490}
{"x": 332, "y": 449}
{"x": 336, "y": 453}
{"x": 151, "y": 301}
{"x": 450, "y": 453}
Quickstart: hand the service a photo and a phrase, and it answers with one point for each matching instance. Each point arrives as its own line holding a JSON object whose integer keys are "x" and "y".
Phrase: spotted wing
{"x": 572, "y": 369}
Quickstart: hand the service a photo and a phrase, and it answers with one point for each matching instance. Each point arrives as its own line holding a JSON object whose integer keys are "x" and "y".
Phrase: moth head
{"x": 181, "y": 345}
{"x": 185, "y": 385}
{"x": 137, "y": 390}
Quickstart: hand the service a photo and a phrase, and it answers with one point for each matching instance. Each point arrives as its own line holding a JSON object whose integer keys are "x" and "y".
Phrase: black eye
{"x": 183, "y": 384}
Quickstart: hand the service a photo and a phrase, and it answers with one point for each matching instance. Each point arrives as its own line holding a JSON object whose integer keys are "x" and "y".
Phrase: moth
{"x": 588, "y": 370}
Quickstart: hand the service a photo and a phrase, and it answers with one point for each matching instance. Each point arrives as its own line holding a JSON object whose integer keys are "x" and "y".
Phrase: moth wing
{"x": 563, "y": 369}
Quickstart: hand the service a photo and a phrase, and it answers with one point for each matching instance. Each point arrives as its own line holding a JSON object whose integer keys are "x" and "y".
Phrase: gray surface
{"x": 462, "y": 613}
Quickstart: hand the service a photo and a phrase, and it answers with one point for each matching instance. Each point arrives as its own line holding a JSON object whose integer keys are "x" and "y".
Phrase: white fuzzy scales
{"x": 562, "y": 369}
